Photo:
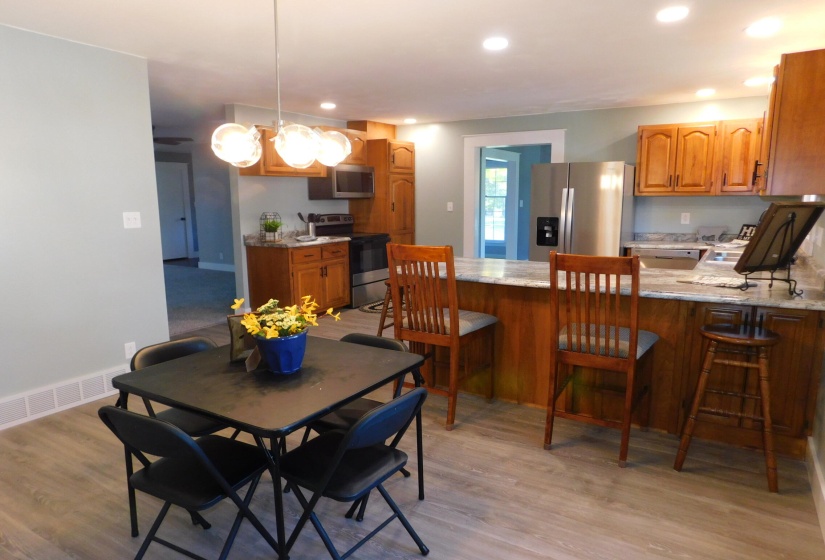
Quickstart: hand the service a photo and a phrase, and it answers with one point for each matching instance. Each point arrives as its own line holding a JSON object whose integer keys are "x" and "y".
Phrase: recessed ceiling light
{"x": 765, "y": 27}
{"x": 674, "y": 13}
{"x": 328, "y": 105}
{"x": 495, "y": 43}
{"x": 759, "y": 81}
{"x": 706, "y": 92}
{"x": 410, "y": 121}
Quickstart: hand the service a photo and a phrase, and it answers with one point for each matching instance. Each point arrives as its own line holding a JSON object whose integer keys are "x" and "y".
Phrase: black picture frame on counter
{"x": 777, "y": 238}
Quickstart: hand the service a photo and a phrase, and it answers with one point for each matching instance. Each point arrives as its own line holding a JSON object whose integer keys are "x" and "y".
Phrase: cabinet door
{"x": 401, "y": 157}
{"x": 402, "y": 204}
{"x": 793, "y": 387}
{"x": 797, "y": 117}
{"x": 308, "y": 280}
{"x": 336, "y": 284}
{"x": 657, "y": 159}
{"x": 694, "y": 159}
{"x": 739, "y": 144}
{"x": 358, "y": 141}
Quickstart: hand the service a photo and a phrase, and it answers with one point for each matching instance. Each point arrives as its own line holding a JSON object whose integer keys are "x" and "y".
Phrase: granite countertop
{"x": 667, "y": 245}
{"x": 254, "y": 240}
{"x": 665, "y": 283}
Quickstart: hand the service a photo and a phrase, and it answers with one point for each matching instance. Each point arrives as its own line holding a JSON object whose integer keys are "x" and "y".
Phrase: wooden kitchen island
{"x": 517, "y": 292}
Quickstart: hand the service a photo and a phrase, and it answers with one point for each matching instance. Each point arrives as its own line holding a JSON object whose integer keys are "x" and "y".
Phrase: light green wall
{"x": 602, "y": 135}
{"x": 75, "y": 153}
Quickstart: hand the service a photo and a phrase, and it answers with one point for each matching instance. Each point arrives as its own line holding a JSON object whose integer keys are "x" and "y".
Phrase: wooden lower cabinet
{"x": 793, "y": 378}
{"x": 289, "y": 273}
{"x": 522, "y": 363}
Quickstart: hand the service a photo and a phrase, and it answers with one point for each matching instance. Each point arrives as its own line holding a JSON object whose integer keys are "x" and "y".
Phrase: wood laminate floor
{"x": 492, "y": 493}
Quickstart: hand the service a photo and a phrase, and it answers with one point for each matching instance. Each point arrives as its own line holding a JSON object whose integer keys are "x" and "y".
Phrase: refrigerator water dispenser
{"x": 547, "y": 232}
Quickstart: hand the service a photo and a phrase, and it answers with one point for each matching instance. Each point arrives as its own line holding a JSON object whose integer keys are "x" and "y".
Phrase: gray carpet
{"x": 197, "y": 297}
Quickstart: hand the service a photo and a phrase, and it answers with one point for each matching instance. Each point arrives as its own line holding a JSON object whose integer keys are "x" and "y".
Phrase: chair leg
{"x": 551, "y": 406}
{"x": 419, "y": 445}
{"x": 694, "y": 408}
{"x": 767, "y": 423}
{"x": 131, "y": 492}
{"x": 390, "y": 502}
{"x": 155, "y": 526}
{"x": 197, "y": 519}
{"x": 452, "y": 396}
{"x": 626, "y": 418}
{"x": 382, "y": 321}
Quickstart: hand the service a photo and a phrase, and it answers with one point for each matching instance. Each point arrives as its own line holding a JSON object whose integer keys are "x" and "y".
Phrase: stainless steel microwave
{"x": 343, "y": 181}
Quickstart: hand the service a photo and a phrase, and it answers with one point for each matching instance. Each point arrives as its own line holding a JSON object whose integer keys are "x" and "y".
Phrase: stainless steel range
{"x": 367, "y": 257}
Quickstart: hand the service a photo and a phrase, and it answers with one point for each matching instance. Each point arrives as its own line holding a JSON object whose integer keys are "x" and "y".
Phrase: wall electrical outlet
{"x": 131, "y": 220}
{"x": 449, "y": 207}
{"x": 129, "y": 350}
{"x": 685, "y": 217}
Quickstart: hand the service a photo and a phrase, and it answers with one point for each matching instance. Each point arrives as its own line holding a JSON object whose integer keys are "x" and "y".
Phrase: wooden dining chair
{"x": 593, "y": 325}
{"x": 425, "y": 306}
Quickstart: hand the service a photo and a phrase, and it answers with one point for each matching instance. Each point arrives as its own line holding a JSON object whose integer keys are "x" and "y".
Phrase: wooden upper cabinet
{"x": 401, "y": 156}
{"x": 402, "y": 205}
{"x": 657, "y": 159}
{"x": 676, "y": 159}
{"x": 796, "y": 124}
{"x": 694, "y": 159}
{"x": 739, "y": 143}
{"x": 358, "y": 141}
{"x": 272, "y": 164}
{"x": 716, "y": 158}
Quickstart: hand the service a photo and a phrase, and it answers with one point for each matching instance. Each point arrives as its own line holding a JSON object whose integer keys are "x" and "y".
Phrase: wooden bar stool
{"x": 736, "y": 339}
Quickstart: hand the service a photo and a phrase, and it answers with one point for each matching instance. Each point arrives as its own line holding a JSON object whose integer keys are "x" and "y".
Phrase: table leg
{"x": 273, "y": 459}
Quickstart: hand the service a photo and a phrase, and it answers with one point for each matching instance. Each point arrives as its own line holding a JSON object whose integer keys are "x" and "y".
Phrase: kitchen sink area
{"x": 723, "y": 256}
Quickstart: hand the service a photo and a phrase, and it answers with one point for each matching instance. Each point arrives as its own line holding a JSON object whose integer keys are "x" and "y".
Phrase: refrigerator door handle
{"x": 563, "y": 220}
{"x": 568, "y": 234}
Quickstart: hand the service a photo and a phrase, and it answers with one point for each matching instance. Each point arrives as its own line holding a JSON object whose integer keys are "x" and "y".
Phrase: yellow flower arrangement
{"x": 271, "y": 321}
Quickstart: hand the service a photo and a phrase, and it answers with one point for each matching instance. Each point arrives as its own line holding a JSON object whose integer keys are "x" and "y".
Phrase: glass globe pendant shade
{"x": 334, "y": 147}
{"x": 253, "y": 159}
{"x": 237, "y": 144}
{"x": 297, "y": 145}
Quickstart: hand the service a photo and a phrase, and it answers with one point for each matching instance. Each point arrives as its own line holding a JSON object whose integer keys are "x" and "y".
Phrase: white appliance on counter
{"x": 581, "y": 208}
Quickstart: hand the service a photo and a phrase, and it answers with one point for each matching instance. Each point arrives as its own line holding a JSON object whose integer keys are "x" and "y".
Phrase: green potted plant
{"x": 272, "y": 230}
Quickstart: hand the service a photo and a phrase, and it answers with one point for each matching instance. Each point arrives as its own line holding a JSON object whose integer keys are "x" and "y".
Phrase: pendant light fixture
{"x": 298, "y": 145}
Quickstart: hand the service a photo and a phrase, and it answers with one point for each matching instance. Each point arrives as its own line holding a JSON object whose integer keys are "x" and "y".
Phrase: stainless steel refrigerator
{"x": 582, "y": 208}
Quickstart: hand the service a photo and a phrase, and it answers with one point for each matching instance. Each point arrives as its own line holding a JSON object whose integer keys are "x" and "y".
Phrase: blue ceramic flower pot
{"x": 284, "y": 354}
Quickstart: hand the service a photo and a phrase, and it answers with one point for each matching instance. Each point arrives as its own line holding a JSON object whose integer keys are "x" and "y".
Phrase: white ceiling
{"x": 385, "y": 60}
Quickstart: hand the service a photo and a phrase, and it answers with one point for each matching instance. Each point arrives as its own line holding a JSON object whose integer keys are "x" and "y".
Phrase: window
{"x": 495, "y": 201}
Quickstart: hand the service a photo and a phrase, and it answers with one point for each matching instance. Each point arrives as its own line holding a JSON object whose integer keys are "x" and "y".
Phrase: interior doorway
{"x": 174, "y": 209}
{"x": 553, "y": 140}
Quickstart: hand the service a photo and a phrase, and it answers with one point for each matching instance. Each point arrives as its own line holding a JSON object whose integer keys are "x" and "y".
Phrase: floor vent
{"x": 60, "y": 396}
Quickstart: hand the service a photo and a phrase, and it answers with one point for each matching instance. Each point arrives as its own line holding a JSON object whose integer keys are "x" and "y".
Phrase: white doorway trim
{"x": 172, "y": 179}
{"x": 472, "y": 171}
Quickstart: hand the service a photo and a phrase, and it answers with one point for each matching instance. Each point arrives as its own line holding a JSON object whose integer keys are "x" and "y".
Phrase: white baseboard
{"x": 217, "y": 266}
{"x": 44, "y": 401}
{"x": 816, "y": 474}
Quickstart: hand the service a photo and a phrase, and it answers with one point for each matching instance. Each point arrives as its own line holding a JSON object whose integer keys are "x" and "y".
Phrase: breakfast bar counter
{"x": 517, "y": 292}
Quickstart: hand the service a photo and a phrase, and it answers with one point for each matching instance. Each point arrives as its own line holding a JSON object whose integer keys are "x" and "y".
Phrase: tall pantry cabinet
{"x": 392, "y": 210}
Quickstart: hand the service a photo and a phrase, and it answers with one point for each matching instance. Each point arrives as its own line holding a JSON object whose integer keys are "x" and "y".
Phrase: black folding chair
{"x": 347, "y": 466}
{"x": 192, "y": 474}
{"x": 346, "y": 417}
{"x": 195, "y": 425}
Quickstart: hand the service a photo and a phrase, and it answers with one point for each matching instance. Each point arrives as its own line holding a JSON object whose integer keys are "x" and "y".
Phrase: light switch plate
{"x": 131, "y": 220}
